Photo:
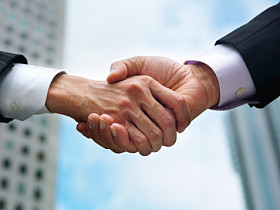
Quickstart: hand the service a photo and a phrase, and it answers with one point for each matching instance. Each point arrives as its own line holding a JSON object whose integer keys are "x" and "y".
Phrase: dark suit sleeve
{"x": 258, "y": 42}
{"x": 6, "y": 64}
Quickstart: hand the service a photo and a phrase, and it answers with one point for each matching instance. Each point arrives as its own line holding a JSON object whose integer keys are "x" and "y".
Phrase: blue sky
{"x": 195, "y": 173}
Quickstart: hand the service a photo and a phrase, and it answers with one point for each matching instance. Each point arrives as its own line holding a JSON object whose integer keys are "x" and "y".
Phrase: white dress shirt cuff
{"x": 24, "y": 89}
{"x": 236, "y": 85}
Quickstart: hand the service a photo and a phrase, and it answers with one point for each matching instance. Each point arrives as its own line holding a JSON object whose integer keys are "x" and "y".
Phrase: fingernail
{"x": 113, "y": 131}
{"x": 102, "y": 124}
{"x": 91, "y": 123}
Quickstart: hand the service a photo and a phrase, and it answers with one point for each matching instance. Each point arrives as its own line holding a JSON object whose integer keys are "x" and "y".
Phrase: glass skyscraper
{"x": 255, "y": 147}
{"x": 28, "y": 149}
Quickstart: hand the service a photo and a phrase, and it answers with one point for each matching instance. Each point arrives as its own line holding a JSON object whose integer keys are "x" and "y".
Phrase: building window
{"x": 44, "y": 122}
{"x": 25, "y": 150}
{"x": 38, "y": 30}
{"x": 25, "y": 22}
{"x": 53, "y": 23}
{"x": 42, "y": 138}
{"x": 13, "y": 4}
{"x": 41, "y": 156}
{"x": 40, "y": 17}
{"x": 21, "y": 189}
{"x": 12, "y": 16}
{"x": 23, "y": 169}
{"x": 9, "y": 145}
{"x": 27, "y": 132}
{"x": 37, "y": 42}
{"x": 27, "y": 10}
{"x": 42, "y": 5}
{"x": 19, "y": 207}
{"x": 12, "y": 126}
{"x": 2, "y": 204}
{"x": 6, "y": 163}
{"x": 4, "y": 184}
{"x": 50, "y": 49}
{"x": 49, "y": 62}
{"x": 35, "y": 55}
{"x": 23, "y": 35}
{"x": 10, "y": 28}
{"x": 53, "y": 11}
{"x": 39, "y": 175}
{"x": 51, "y": 36}
{"x": 7, "y": 42}
{"x": 37, "y": 194}
{"x": 21, "y": 49}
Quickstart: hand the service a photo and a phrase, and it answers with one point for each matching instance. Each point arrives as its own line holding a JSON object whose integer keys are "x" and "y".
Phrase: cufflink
{"x": 240, "y": 92}
{"x": 14, "y": 107}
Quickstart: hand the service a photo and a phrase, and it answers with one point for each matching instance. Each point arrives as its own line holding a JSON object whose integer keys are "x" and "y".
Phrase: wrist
{"x": 65, "y": 97}
{"x": 209, "y": 80}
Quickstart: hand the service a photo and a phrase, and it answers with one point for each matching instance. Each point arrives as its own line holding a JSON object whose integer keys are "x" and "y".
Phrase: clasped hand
{"x": 146, "y": 115}
{"x": 143, "y": 113}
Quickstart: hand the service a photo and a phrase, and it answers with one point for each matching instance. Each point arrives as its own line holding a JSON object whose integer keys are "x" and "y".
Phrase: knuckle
{"x": 156, "y": 135}
{"x": 168, "y": 121}
{"x": 125, "y": 103}
{"x": 165, "y": 120}
{"x": 180, "y": 99}
{"x": 139, "y": 140}
{"x": 135, "y": 88}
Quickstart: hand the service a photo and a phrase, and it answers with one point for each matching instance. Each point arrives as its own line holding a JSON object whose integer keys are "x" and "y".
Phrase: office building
{"x": 28, "y": 149}
{"x": 255, "y": 148}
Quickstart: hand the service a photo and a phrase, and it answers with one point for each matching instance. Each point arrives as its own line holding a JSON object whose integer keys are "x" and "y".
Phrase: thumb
{"x": 120, "y": 70}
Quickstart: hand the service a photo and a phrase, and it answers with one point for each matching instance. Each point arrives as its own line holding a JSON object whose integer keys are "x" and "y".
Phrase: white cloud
{"x": 100, "y": 32}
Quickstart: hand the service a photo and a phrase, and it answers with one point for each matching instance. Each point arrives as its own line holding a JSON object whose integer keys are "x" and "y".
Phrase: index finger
{"x": 175, "y": 102}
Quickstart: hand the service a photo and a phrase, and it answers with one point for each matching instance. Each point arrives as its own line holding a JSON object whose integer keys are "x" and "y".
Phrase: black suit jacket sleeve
{"x": 6, "y": 64}
{"x": 258, "y": 42}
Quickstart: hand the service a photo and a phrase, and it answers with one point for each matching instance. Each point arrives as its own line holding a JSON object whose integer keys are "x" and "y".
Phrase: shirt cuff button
{"x": 240, "y": 92}
{"x": 14, "y": 107}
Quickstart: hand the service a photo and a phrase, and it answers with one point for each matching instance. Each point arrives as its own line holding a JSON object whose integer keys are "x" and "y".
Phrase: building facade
{"x": 254, "y": 142}
{"x": 28, "y": 149}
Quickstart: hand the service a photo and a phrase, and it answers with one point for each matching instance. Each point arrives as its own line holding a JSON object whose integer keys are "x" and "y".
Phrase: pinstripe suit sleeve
{"x": 258, "y": 42}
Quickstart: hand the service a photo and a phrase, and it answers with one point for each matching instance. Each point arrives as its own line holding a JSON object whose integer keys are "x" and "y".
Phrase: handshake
{"x": 141, "y": 107}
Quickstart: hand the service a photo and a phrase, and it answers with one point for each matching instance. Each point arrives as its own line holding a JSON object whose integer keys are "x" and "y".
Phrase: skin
{"x": 136, "y": 105}
{"x": 197, "y": 83}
